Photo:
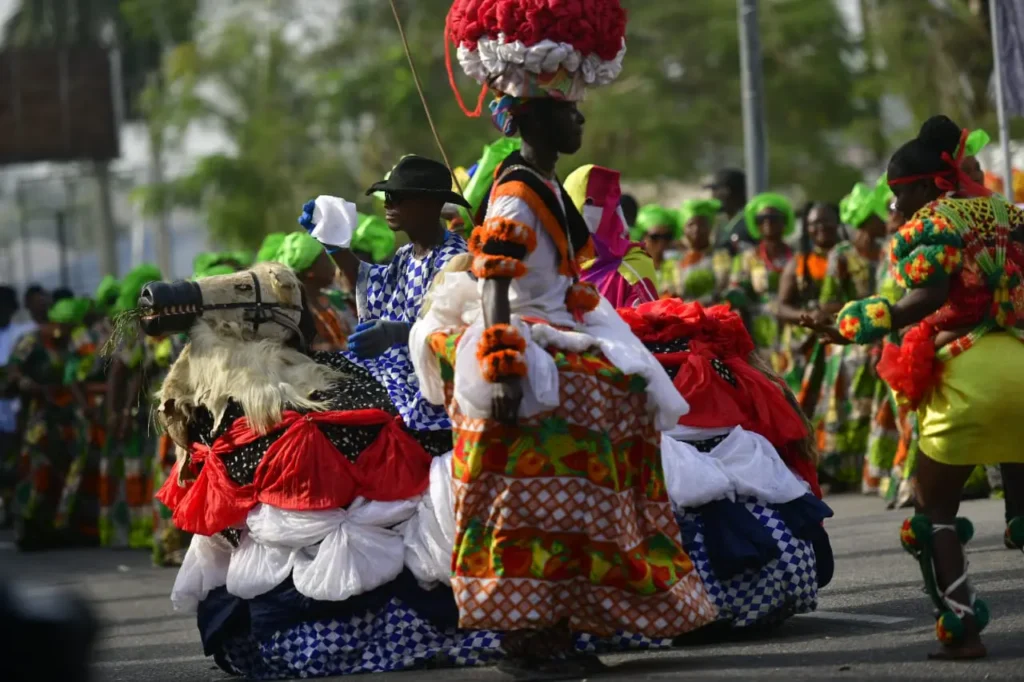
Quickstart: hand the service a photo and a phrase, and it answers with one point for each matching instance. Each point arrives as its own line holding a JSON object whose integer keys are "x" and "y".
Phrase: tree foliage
{"x": 307, "y": 116}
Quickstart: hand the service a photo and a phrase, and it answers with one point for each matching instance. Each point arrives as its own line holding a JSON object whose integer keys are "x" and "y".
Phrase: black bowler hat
{"x": 419, "y": 175}
{"x": 730, "y": 178}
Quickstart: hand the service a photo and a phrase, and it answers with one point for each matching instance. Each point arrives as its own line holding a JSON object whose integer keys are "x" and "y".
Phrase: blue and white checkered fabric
{"x": 393, "y": 639}
{"x": 395, "y": 292}
{"x": 781, "y": 588}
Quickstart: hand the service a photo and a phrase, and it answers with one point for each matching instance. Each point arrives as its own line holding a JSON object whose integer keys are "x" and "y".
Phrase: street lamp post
{"x": 752, "y": 78}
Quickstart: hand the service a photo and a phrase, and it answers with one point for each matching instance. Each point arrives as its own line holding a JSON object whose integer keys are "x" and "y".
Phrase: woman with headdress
{"x": 703, "y": 270}
{"x": 85, "y": 373}
{"x": 555, "y": 405}
{"x": 800, "y": 359}
{"x": 658, "y": 228}
{"x": 37, "y": 367}
{"x": 959, "y": 362}
{"x": 622, "y": 271}
{"x": 126, "y": 507}
{"x": 756, "y": 272}
{"x": 842, "y": 415}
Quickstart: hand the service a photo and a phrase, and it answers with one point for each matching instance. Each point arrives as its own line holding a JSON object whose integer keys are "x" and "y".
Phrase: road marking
{"x": 149, "y": 661}
{"x": 869, "y": 618}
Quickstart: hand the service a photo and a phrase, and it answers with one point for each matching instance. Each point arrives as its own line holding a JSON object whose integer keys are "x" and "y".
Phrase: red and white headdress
{"x": 538, "y": 48}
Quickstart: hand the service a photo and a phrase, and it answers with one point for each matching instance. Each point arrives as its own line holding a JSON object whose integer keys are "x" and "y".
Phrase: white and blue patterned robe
{"x": 396, "y": 292}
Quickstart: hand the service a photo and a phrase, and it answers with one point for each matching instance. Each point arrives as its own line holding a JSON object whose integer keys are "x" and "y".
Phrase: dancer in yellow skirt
{"x": 960, "y": 359}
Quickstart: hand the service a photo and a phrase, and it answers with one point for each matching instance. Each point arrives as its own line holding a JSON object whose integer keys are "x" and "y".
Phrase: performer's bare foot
{"x": 970, "y": 649}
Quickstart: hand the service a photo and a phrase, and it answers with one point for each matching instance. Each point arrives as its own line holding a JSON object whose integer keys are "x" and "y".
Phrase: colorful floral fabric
{"x": 842, "y": 416}
{"x": 797, "y": 348}
{"x": 753, "y": 290}
{"x": 566, "y": 515}
{"x": 45, "y": 458}
{"x": 701, "y": 276}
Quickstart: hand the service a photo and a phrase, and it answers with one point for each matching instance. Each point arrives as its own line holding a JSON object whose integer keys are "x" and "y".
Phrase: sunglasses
{"x": 660, "y": 237}
{"x": 395, "y": 198}
{"x": 771, "y": 218}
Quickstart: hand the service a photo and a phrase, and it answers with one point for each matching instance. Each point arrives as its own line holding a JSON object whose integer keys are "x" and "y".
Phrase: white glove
{"x": 334, "y": 221}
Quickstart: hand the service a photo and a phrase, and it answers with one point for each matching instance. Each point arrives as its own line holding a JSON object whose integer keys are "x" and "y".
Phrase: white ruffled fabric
{"x": 745, "y": 464}
{"x": 204, "y": 568}
{"x": 508, "y": 66}
{"x": 430, "y": 535}
{"x": 602, "y": 328}
{"x": 330, "y": 555}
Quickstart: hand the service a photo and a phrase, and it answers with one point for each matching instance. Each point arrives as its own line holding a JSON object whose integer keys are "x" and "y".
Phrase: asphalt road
{"x": 873, "y": 622}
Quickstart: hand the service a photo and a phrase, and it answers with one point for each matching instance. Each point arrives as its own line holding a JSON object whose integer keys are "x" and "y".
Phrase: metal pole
{"x": 754, "y": 131}
{"x": 62, "y": 245}
{"x": 1004, "y": 123}
{"x": 26, "y": 249}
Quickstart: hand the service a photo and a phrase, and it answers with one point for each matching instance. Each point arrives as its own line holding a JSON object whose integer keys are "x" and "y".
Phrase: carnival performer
{"x": 756, "y": 271}
{"x": 126, "y": 508}
{"x": 658, "y": 229}
{"x": 960, "y": 257}
{"x": 10, "y": 406}
{"x": 622, "y": 271}
{"x": 293, "y": 471}
{"x": 85, "y": 373}
{"x": 315, "y": 269}
{"x": 801, "y": 360}
{"x": 703, "y": 270}
{"x": 389, "y": 296}
{"x": 36, "y": 366}
{"x": 739, "y": 467}
{"x": 555, "y": 405}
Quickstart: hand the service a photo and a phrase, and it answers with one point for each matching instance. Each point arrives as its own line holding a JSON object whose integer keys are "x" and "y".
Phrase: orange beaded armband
{"x": 581, "y": 298}
{"x": 500, "y": 337}
{"x": 497, "y": 267}
{"x": 503, "y": 364}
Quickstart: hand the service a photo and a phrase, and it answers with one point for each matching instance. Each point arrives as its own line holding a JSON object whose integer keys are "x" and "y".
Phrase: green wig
{"x": 299, "y": 251}
{"x": 373, "y": 236}
{"x": 70, "y": 311}
{"x": 863, "y": 202}
{"x": 268, "y": 249}
{"x": 692, "y": 208}
{"x": 131, "y": 286}
{"x": 652, "y": 216}
{"x": 107, "y": 292}
{"x": 769, "y": 200}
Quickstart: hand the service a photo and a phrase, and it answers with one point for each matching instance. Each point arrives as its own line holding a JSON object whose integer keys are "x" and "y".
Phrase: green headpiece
{"x": 483, "y": 176}
{"x": 215, "y": 270}
{"x": 203, "y": 262}
{"x": 653, "y": 215}
{"x": 708, "y": 208}
{"x": 131, "y": 286}
{"x": 243, "y": 258}
{"x": 769, "y": 200}
{"x": 107, "y": 292}
{"x": 269, "y": 247}
{"x": 70, "y": 310}
{"x": 863, "y": 202}
{"x": 299, "y": 251}
{"x": 373, "y": 236}
{"x": 976, "y": 141}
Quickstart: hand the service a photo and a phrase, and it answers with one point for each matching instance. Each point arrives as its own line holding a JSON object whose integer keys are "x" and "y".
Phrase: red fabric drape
{"x": 717, "y": 334}
{"x": 301, "y": 471}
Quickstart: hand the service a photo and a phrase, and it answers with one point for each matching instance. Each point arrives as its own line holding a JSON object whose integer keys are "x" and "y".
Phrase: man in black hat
{"x": 729, "y": 186}
{"x": 389, "y": 297}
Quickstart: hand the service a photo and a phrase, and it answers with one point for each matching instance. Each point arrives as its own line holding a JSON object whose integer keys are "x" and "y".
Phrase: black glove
{"x": 372, "y": 339}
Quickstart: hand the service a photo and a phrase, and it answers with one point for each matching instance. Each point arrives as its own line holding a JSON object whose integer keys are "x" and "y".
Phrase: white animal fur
{"x": 261, "y": 376}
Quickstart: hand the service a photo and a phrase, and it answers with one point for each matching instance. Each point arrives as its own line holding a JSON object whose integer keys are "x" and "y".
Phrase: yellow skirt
{"x": 976, "y": 414}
